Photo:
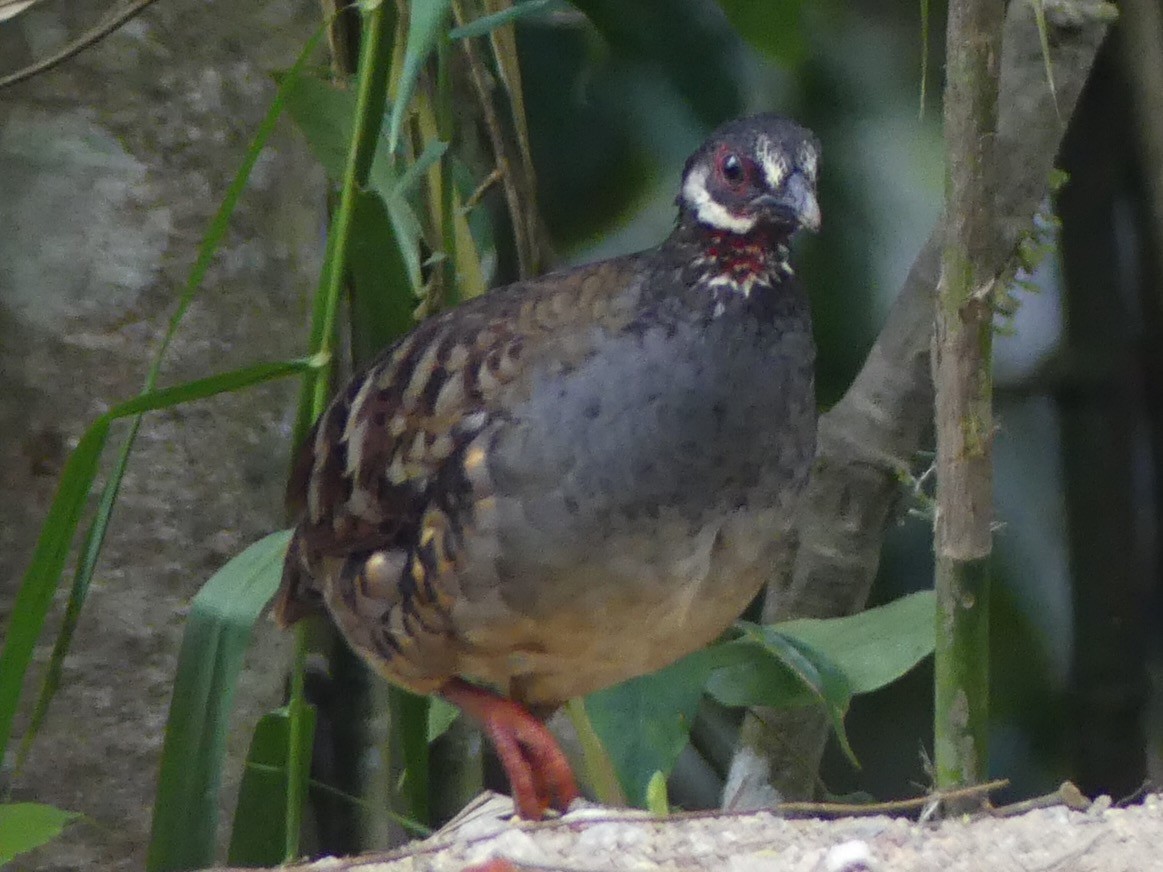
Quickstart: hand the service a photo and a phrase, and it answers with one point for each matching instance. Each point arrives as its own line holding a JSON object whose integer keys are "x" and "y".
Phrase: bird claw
{"x": 539, "y": 773}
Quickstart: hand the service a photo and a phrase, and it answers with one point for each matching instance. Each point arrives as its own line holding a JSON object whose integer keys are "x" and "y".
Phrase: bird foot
{"x": 539, "y": 773}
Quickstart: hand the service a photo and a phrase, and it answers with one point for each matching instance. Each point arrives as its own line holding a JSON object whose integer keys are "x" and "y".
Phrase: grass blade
{"x": 222, "y": 383}
{"x": 82, "y": 577}
{"x": 218, "y": 630}
{"x": 48, "y": 560}
{"x": 426, "y": 27}
{"x": 486, "y": 23}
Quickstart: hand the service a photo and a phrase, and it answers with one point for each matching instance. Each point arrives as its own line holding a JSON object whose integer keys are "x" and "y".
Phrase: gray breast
{"x": 636, "y": 504}
{"x": 681, "y": 420}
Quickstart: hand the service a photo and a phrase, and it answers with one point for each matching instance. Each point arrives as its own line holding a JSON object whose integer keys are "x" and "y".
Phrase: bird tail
{"x": 299, "y": 595}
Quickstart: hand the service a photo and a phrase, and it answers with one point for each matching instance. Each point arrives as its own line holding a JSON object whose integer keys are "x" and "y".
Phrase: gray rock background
{"x": 110, "y": 169}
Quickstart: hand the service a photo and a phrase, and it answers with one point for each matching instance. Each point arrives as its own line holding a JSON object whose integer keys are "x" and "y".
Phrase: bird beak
{"x": 795, "y": 205}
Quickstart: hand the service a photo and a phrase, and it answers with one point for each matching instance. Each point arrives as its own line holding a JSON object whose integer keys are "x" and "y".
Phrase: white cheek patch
{"x": 774, "y": 164}
{"x": 696, "y": 195}
{"x": 808, "y": 162}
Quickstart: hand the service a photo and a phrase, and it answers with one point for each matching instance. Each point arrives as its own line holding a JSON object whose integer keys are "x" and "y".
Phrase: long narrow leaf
{"x": 40, "y": 581}
{"x": 82, "y": 577}
{"x": 223, "y": 383}
{"x": 486, "y": 23}
{"x": 426, "y": 26}
{"x": 218, "y": 630}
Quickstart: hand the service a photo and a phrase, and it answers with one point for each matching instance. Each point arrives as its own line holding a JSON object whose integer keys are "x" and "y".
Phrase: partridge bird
{"x": 577, "y": 479}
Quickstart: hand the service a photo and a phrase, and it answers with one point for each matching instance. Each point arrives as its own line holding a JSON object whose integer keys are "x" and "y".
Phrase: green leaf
{"x": 486, "y": 23}
{"x": 323, "y": 113}
{"x": 874, "y": 647}
{"x": 814, "y": 670}
{"x": 644, "y": 723}
{"x": 35, "y": 596}
{"x": 28, "y": 825}
{"x": 222, "y": 383}
{"x": 427, "y": 23}
{"x": 258, "y": 837}
{"x": 657, "y": 800}
{"x": 218, "y": 630}
{"x": 40, "y": 582}
{"x": 774, "y": 27}
{"x": 409, "y": 725}
{"x": 759, "y": 677}
{"x": 441, "y": 716}
{"x": 412, "y": 176}
{"x": 382, "y": 302}
{"x": 599, "y": 768}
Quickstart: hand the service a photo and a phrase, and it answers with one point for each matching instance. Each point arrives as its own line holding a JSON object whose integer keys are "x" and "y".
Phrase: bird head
{"x": 754, "y": 173}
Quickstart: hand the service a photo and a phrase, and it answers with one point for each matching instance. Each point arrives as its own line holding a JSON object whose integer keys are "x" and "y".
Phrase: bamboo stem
{"x": 961, "y": 355}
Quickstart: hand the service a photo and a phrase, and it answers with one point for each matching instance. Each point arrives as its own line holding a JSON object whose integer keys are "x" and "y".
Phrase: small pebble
{"x": 852, "y": 856}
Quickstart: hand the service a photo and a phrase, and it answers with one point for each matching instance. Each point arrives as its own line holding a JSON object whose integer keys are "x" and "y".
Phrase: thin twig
{"x": 917, "y": 803}
{"x": 479, "y": 75}
{"x": 483, "y": 188}
{"x": 1067, "y": 794}
{"x": 88, "y": 38}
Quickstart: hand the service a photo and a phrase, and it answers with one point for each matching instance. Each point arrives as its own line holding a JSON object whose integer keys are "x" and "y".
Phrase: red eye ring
{"x": 732, "y": 169}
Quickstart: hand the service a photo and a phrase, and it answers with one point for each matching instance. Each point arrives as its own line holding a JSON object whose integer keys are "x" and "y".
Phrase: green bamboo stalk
{"x": 368, "y": 122}
{"x": 962, "y": 351}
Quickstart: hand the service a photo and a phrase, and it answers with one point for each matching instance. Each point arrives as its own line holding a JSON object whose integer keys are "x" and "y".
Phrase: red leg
{"x": 539, "y": 774}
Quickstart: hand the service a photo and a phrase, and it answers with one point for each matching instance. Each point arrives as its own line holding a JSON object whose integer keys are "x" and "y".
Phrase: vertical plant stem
{"x": 374, "y": 66}
{"x": 295, "y": 765}
{"x": 369, "y": 114}
{"x": 961, "y": 357}
{"x": 444, "y": 121}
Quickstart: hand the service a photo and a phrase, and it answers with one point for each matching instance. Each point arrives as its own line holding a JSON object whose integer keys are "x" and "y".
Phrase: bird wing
{"x": 383, "y": 468}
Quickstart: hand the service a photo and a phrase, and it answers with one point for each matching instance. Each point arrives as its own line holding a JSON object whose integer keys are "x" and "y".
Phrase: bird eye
{"x": 732, "y": 168}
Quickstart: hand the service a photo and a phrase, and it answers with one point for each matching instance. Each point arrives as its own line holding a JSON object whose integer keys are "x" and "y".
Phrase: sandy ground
{"x": 594, "y": 839}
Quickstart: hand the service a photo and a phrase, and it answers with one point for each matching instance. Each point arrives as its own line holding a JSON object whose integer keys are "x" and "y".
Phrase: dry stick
{"x": 90, "y": 37}
{"x": 872, "y": 434}
{"x": 480, "y": 77}
{"x": 962, "y": 375}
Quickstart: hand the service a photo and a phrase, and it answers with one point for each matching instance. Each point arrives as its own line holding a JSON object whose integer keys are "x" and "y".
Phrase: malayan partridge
{"x": 580, "y": 478}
